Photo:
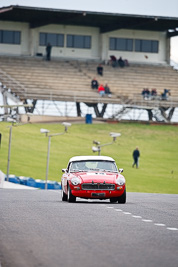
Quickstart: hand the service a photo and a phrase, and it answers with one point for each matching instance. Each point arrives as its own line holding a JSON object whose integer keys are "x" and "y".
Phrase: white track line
{"x": 172, "y": 229}
{"x": 136, "y": 216}
{"x": 143, "y": 220}
{"x": 159, "y": 224}
{"x": 118, "y": 210}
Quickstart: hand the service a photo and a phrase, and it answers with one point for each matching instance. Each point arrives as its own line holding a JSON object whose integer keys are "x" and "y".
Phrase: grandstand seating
{"x": 69, "y": 80}
{"x": 131, "y": 80}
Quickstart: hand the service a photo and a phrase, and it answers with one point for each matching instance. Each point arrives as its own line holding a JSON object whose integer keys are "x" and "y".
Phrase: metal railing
{"x": 153, "y": 102}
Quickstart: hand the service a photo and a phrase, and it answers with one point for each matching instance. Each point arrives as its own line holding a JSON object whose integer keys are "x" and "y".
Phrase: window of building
{"x": 10, "y": 37}
{"x": 149, "y": 46}
{"x": 52, "y": 38}
{"x": 79, "y": 41}
{"x": 125, "y": 44}
{"x": 121, "y": 44}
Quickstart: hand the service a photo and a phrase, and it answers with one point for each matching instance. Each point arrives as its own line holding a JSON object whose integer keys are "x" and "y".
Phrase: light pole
{"x": 9, "y": 148}
{"x": 98, "y": 147}
{"x": 66, "y": 125}
{"x": 9, "y": 152}
{"x": 14, "y": 123}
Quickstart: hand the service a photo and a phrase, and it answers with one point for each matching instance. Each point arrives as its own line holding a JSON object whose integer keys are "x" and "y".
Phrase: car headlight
{"x": 75, "y": 181}
{"x": 120, "y": 181}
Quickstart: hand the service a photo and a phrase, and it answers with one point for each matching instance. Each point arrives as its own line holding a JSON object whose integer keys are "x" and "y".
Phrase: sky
{"x": 141, "y": 7}
{"x": 137, "y": 7}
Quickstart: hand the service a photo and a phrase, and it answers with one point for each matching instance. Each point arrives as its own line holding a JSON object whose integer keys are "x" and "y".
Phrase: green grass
{"x": 157, "y": 173}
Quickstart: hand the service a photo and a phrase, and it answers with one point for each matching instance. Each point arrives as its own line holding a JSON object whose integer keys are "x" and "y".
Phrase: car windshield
{"x": 95, "y": 165}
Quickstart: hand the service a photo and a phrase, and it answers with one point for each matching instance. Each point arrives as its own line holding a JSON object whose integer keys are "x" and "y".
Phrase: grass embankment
{"x": 158, "y": 171}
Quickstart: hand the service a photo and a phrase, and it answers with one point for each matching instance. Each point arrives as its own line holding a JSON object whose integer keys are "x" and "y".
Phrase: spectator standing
{"x": 101, "y": 90}
{"x": 136, "y": 155}
{"x": 48, "y": 52}
{"x": 100, "y": 70}
{"x": 94, "y": 84}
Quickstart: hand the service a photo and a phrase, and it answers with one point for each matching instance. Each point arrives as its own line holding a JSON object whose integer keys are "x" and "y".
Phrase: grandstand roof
{"x": 106, "y": 22}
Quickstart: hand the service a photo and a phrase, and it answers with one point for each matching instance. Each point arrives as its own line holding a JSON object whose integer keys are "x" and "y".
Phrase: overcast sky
{"x": 141, "y": 7}
{"x": 167, "y": 8}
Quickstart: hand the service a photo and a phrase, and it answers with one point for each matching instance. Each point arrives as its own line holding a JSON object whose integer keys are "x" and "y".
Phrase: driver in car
{"x": 82, "y": 165}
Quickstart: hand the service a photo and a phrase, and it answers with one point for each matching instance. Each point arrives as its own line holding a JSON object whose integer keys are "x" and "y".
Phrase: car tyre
{"x": 122, "y": 199}
{"x": 64, "y": 196}
{"x": 113, "y": 199}
{"x": 70, "y": 197}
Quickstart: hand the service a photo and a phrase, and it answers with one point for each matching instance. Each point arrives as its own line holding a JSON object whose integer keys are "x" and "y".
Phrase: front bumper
{"x": 97, "y": 194}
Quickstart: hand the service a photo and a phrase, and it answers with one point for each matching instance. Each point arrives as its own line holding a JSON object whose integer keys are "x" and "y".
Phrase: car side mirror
{"x": 64, "y": 170}
{"x": 121, "y": 170}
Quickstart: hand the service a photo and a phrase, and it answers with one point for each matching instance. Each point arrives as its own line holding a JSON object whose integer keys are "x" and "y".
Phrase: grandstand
{"x": 62, "y": 80}
{"x": 80, "y": 41}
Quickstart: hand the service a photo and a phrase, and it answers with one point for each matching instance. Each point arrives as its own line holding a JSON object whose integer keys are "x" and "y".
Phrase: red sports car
{"x": 93, "y": 177}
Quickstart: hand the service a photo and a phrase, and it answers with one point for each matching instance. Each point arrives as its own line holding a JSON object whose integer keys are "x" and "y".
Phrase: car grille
{"x": 95, "y": 186}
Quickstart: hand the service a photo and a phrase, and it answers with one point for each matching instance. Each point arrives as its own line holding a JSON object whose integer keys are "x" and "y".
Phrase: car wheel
{"x": 70, "y": 197}
{"x": 113, "y": 199}
{"x": 64, "y": 196}
{"x": 122, "y": 199}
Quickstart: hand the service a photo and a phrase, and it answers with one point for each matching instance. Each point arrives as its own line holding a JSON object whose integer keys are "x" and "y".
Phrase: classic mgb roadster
{"x": 93, "y": 177}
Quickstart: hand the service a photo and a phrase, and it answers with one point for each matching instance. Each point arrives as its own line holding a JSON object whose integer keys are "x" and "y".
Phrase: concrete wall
{"x": 99, "y": 47}
{"x": 24, "y": 118}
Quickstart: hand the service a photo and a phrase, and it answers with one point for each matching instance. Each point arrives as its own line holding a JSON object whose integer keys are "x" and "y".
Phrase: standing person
{"x": 100, "y": 70}
{"x": 136, "y": 155}
{"x": 48, "y": 52}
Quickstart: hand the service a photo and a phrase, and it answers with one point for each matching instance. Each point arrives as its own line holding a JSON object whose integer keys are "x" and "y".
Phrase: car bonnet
{"x": 99, "y": 177}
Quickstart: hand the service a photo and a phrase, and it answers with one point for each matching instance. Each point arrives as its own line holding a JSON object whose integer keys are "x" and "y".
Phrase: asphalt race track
{"x": 38, "y": 229}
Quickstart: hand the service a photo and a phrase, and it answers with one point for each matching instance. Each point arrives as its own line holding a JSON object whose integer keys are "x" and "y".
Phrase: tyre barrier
{"x": 29, "y": 181}
{"x": 13, "y": 179}
{"x": 54, "y": 185}
{"x": 40, "y": 184}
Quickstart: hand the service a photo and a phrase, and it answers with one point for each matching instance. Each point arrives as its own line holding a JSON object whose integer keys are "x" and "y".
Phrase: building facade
{"x": 83, "y": 42}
